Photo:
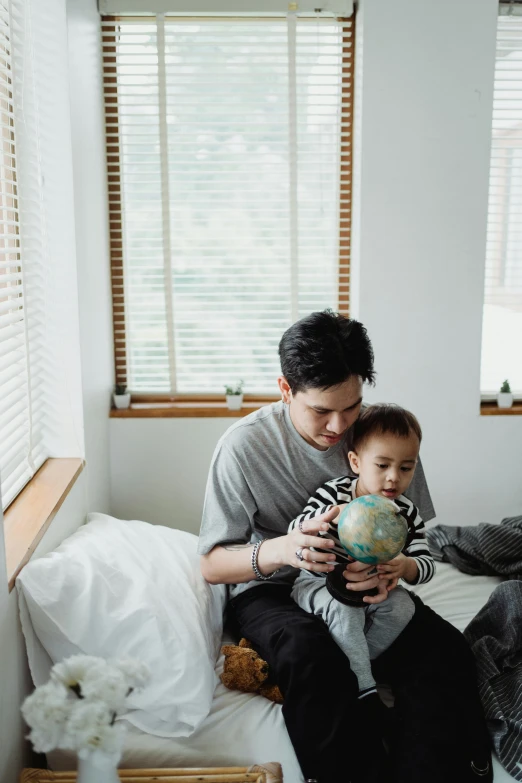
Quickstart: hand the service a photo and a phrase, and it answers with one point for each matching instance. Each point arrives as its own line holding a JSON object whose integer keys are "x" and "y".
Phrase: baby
{"x": 385, "y": 450}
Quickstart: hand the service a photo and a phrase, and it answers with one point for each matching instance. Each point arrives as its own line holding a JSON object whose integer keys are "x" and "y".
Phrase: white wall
{"x": 427, "y": 82}
{"x": 14, "y": 681}
{"x": 159, "y": 468}
{"x": 92, "y": 240}
{"x": 91, "y": 491}
{"x": 419, "y": 247}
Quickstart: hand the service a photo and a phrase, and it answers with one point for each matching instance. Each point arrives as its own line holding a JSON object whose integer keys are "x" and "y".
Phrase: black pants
{"x": 439, "y": 725}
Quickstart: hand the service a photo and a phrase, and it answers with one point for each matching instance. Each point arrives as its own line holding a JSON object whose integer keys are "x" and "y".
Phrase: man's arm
{"x": 419, "y": 493}
{"x": 228, "y": 533}
{"x": 232, "y": 563}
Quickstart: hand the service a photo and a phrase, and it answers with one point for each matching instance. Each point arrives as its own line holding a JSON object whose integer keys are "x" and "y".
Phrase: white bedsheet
{"x": 242, "y": 729}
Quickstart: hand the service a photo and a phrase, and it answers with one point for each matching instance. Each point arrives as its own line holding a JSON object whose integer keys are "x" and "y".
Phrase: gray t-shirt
{"x": 261, "y": 476}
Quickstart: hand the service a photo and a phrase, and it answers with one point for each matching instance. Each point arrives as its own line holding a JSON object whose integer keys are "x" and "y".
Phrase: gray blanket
{"x": 495, "y": 550}
{"x": 495, "y": 636}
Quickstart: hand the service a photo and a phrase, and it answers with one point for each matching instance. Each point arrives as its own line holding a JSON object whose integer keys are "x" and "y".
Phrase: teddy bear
{"x": 244, "y": 670}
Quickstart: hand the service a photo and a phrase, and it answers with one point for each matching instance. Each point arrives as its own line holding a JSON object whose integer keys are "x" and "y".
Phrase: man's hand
{"x": 285, "y": 548}
{"x": 361, "y": 576}
{"x": 401, "y": 567}
{"x": 339, "y": 508}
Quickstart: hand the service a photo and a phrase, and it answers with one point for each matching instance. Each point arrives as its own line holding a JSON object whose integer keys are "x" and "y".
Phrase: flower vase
{"x": 99, "y": 771}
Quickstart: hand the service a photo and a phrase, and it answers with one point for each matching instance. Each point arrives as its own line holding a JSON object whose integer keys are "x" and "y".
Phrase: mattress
{"x": 242, "y": 729}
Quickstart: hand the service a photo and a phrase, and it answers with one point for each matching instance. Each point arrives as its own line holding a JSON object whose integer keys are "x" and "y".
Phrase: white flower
{"x": 72, "y": 671}
{"x": 86, "y": 720}
{"x": 46, "y": 711}
{"x": 107, "y": 684}
{"x": 90, "y": 729}
{"x": 136, "y": 673}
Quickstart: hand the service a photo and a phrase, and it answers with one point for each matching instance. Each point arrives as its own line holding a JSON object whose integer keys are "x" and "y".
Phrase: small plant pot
{"x": 121, "y": 400}
{"x": 234, "y": 401}
{"x": 504, "y": 399}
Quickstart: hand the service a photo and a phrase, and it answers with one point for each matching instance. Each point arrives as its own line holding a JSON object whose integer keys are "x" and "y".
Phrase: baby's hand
{"x": 401, "y": 567}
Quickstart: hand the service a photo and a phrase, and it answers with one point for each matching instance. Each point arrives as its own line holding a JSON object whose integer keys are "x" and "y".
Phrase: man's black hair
{"x": 323, "y": 350}
{"x": 383, "y": 418}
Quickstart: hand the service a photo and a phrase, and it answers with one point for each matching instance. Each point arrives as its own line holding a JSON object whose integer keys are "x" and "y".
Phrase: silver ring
{"x": 299, "y": 553}
{"x": 480, "y": 771}
{"x": 300, "y": 525}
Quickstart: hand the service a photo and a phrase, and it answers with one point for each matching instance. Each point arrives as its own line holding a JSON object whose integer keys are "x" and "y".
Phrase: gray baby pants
{"x": 362, "y": 633}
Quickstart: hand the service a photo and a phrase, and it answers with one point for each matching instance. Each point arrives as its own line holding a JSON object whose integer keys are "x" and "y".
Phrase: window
{"x": 22, "y": 442}
{"x": 40, "y": 381}
{"x": 229, "y": 169}
{"x": 502, "y": 324}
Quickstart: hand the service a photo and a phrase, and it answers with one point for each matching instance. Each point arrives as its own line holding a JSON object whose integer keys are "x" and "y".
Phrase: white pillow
{"x": 129, "y": 589}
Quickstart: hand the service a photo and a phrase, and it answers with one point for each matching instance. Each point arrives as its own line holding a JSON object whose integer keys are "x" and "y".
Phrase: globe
{"x": 372, "y": 530}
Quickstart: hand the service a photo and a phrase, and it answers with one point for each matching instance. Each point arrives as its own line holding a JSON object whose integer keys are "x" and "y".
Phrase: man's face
{"x": 322, "y": 416}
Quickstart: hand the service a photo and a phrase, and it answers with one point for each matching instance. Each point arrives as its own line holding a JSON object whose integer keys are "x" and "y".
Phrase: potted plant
{"x": 121, "y": 396}
{"x": 505, "y": 397}
{"x": 234, "y": 395}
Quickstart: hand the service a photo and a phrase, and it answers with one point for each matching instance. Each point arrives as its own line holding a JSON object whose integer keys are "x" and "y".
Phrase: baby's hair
{"x": 382, "y": 418}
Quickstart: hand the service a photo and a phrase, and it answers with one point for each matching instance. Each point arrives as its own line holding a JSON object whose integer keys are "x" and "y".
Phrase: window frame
{"x": 194, "y": 404}
{"x": 488, "y": 404}
{"x": 11, "y": 245}
{"x": 41, "y": 57}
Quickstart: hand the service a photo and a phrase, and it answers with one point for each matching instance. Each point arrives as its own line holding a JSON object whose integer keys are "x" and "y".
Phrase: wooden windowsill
{"x": 210, "y": 408}
{"x": 31, "y": 513}
{"x": 490, "y": 408}
{"x": 190, "y": 408}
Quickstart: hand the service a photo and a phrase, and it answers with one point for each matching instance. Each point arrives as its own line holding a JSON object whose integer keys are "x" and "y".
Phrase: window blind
{"x": 22, "y": 447}
{"x": 40, "y": 380}
{"x": 502, "y": 323}
{"x": 226, "y": 7}
{"x": 229, "y": 169}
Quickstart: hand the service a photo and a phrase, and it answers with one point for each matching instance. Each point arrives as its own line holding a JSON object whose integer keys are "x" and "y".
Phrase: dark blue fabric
{"x": 495, "y": 636}
{"x": 493, "y": 550}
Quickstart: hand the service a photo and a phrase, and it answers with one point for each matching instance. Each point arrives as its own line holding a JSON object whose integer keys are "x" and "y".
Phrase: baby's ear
{"x": 354, "y": 461}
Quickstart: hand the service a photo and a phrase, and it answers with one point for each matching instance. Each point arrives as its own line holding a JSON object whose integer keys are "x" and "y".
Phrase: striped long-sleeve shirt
{"x": 343, "y": 490}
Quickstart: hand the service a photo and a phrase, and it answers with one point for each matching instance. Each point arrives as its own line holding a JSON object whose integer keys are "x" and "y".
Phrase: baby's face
{"x": 385, "y": 464}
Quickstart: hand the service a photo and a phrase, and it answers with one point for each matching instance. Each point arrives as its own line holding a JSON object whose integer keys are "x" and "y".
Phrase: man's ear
{"x": 284, "y": 388}
{"x": 354, "y": 461}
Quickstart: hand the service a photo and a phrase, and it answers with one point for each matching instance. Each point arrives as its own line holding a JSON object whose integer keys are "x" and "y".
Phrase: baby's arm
{"x": 418, "y": 550}
{"x": 415, "y": 564}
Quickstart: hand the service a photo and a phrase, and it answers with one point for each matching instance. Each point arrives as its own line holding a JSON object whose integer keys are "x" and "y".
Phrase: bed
{"x": 229, "y": 728}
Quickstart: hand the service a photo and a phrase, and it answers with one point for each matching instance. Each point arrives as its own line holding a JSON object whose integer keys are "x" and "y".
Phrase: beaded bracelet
{"x": 255, "y": 567}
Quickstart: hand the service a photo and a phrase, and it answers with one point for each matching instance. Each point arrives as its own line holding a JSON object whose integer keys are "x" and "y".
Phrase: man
{"x": 264, "y": 469}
